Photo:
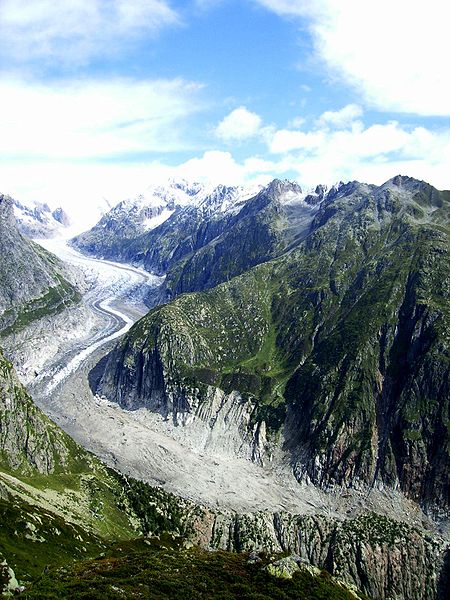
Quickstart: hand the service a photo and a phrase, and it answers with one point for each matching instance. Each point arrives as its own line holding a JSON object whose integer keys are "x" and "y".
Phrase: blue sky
{"x": 100, "y": 98}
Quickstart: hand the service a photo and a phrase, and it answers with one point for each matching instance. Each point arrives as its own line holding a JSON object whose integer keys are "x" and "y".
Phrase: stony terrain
{"x": 58, "y": 504}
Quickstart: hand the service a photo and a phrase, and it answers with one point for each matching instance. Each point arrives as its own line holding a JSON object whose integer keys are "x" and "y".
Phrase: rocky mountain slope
{"x": 134, "y": 217}
{"x": 336, "y": 351}
{"x": 58, "y": 504}
{"x": 33, "y": 283}
{"x": 328, "y": 351}
{"x": 205, "y": 240}
{"x": 38, "y": 220}
{"x": 209, "y": 237}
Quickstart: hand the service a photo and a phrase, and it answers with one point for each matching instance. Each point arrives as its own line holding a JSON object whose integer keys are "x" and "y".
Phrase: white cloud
{"x": 90, "y": 119}
{"x": 77, "y": 30}
{"x": 338, "y": 146}
{"x": 394, "y": 53}
{"x": 82, "y": 188}
{"x": 221, "y": 167}
{"x": 374, "y": 153}
{"x": 240, "y": 124}
{"x": 285, "y": 140}
{"x": 345, "y": 117}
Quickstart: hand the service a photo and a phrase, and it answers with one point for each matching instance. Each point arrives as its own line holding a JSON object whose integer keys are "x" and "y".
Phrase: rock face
{"x": 339, "y": 344}
{"x": 379, "y": 556}
{"x": 32, "y": 281}
{"x": 8, "y": 581}
{"x": 29, "y": 442}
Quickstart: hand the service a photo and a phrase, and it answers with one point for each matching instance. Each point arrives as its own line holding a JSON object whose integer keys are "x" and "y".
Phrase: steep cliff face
{"x": 189, "y": 229}
{"x": 29, "y": 442}
{"x": 381, "y": 557}
{"x": 32, "y": 281}
{"x": 263, "y": 229}
{"x": 340, "y": 344}
{"x": 370, "y": 400}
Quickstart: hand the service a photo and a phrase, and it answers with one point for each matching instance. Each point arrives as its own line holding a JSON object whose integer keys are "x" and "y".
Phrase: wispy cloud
{"x": 342, "y": 118}
{"x": 93, "y": 120}
{"x": 368, "y": 153}
{"x": 393, "y": 53}
{"x": 78, "y": 30}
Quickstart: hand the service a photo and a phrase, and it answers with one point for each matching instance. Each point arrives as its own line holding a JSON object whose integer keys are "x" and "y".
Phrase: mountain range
{"x": 307, "y": 330}
{"x": 37, "y": 220}
{"x": 334, "y": 329}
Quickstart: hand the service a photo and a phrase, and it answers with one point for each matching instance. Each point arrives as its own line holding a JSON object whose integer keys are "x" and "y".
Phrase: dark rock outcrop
{"x": 379, "y": 556}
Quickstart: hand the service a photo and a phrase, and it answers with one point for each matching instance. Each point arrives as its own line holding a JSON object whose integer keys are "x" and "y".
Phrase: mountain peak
{"x": 279, "y": 187}
{"x": 405, "y": 182}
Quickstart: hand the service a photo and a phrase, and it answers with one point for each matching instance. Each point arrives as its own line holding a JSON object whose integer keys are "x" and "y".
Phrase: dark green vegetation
{"x": 342, "y": 338}
{"x": 32, "y": 539}
{"x": 162, "y": 569}
{"x": 58, "y": 505}
{"x": 158, "y": 511}
{"x": 32, "y": 281}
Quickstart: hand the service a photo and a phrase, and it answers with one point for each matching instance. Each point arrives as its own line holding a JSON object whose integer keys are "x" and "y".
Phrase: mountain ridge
{"x": 286, "y": 334}
{"x": 32, "y": 281}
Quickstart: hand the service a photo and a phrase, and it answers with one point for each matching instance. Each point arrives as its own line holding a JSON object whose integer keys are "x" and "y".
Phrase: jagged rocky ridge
{"x": 134, "y": 217}
{"x": 210, "y": 238}
{"x": 33, "y": 283}
{"x": 338, "y": 347}
{"x": 37, "y": 220}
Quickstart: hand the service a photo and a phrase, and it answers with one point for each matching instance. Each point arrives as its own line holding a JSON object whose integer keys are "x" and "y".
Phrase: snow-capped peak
{"x": 37, "y": 220}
